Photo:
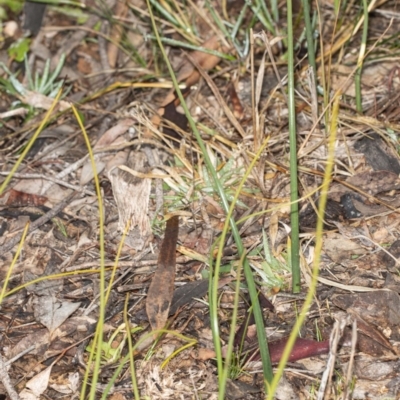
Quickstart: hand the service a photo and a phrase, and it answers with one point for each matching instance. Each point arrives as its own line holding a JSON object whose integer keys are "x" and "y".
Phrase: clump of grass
{"x": 270, "y": 270}
{"x": 47, "y": 83}
{"x": 188, "y": 186}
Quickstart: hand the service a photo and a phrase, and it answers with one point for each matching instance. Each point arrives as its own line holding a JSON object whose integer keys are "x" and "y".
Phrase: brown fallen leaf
{"x": 375, "y": 313}
{"x": 121, "y": 9}
{"x": 161, "y": 289}
{"x": 303, "y": 348}
{"x": 380, "y": 308}
{"x": 39, "y": 100}
{"x": 370, "y": 340}
{"x": 375, "y": 182}
{"x": 16, "y": 198}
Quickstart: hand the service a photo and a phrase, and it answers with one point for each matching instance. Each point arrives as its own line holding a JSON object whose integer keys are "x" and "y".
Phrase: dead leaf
{"x": 39, "y": 339}
{"x": 185, "y": 294}
{"x": 43, "y": 262}
{"x": 30, "y": 186}
{"x": 39, "y": 100}
{"x": 112, "y": 134}
{"x": 121, "y": 158}
{"x": 375, "y": 370}
{"x": 188, "y": 72}
{"x": 51, "y": 312}
{"x": 117, "y": 396}
{"x": 239, "y": 390}
{"x": 87, "y": 173}
{"x": 68, "y": 385}
{"x": 238, "y": 110}
{"x": 161, "y": 289}
{"x": 340, "y": 249}
{"x": 376, "y": 153}
{"x": 380, "y": 308}
{"x": 111, "y": 137}
{"x": 374, "y": 182}
{"x": 303, "y": 348}
{"x": 374, "y": 75}
{"x": 120, "y": 12}
{"x": 171, "y": 114}
{"x": 37, "y": 385}
{"x": 16, "y": 198}
{"x": 370, "y": 340}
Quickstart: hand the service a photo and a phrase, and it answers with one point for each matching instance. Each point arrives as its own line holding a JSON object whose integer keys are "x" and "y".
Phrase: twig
{"x": 15, "y": 358}
{"x": 347, "y": 393}
{"x": 6, "y": 381}
{"x": 77, "y": 188}
{"x": 334, "y": 341}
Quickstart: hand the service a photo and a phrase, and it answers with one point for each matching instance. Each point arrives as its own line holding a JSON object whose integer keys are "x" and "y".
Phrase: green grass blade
{"x": 310, "y": 38}
{"x": 318, "y": 248}
{"x": 294, "y": 206}
{"x": 130, "y": 351}
{"x": 54, "y": 75}
{"x": 188, "y": 46}
{"x": 43, "y": 79}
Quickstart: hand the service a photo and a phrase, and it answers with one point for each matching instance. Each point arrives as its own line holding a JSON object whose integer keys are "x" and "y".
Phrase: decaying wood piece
{"x": 132, "y": 194}
{"x": 161, "y": 289}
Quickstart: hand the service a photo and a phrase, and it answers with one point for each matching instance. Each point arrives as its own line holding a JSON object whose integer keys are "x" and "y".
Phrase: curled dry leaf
{"x": 113, "y": 133}
{"x": 303, "y": 348}
{"x": 52, "y": 312}
{"x": 161, "y": 289}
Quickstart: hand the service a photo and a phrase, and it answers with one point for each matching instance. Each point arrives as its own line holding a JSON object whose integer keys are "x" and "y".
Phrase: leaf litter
{"x": 153, "y": 179}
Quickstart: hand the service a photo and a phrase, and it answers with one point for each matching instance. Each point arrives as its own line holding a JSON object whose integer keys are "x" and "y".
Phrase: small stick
{"x": 6, "y": 381}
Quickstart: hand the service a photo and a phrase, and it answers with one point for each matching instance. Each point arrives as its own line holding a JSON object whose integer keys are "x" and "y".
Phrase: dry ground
{"x": 111, "y": 69}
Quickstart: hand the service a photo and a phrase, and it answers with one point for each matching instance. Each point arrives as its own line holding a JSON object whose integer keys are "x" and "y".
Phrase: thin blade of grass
{"x": 294, "y": 207}
{"x": 361, "y": 57}
{"x": 318, "y": 248}
{"x": 14, "y": 261}
{"x": 178, "y": 43}
{"x": 310, "y": 39}
{"x": 130, "y": 350}
{"x": 102, "y": 308}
